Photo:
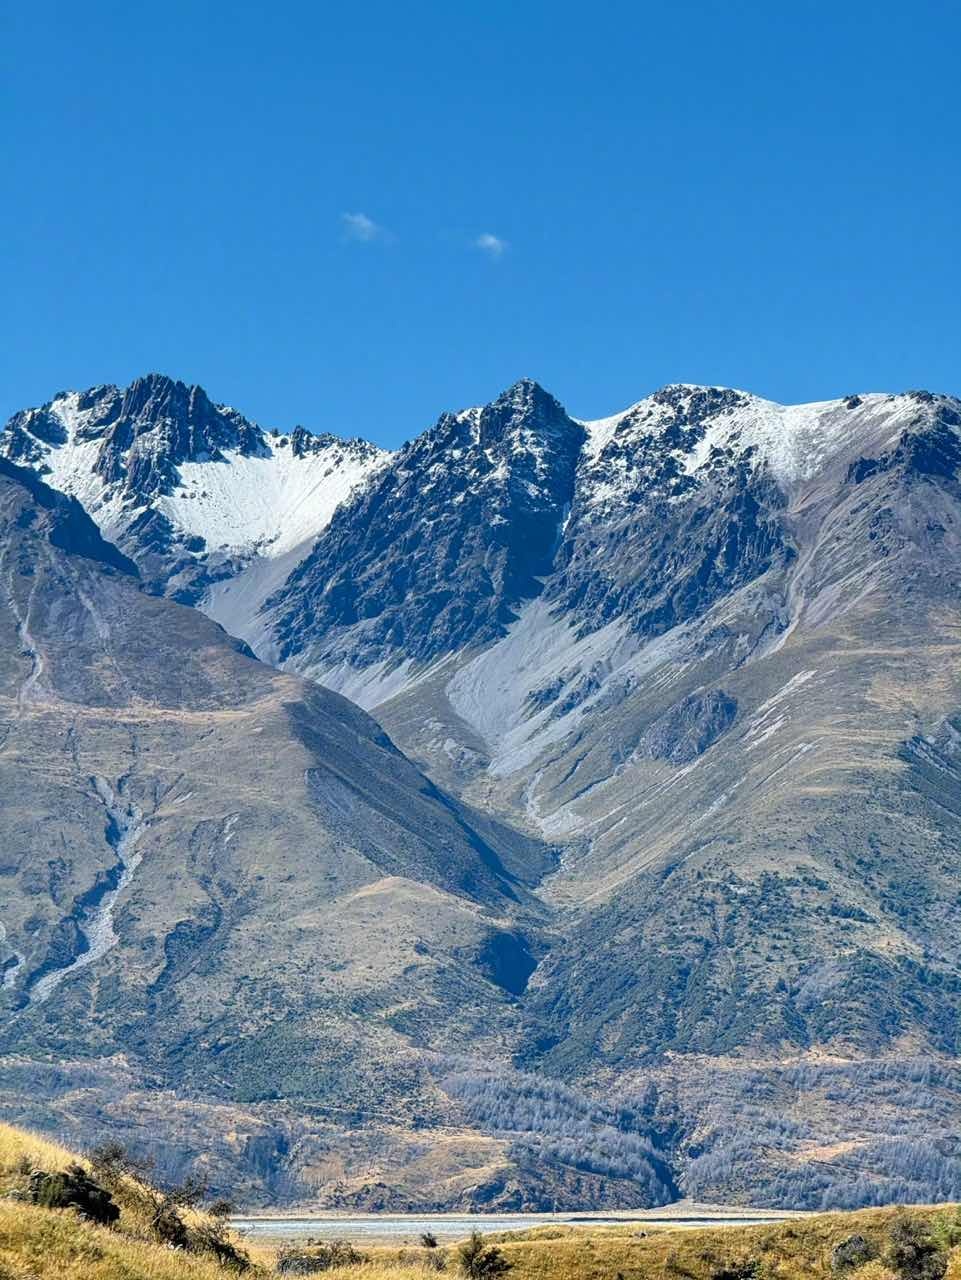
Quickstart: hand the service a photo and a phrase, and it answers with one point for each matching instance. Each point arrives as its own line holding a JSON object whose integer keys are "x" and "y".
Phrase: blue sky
{"x": 357, "y": 216}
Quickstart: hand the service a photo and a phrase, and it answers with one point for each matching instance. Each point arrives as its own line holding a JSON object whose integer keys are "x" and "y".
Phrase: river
{"x": 407, "y": 1228}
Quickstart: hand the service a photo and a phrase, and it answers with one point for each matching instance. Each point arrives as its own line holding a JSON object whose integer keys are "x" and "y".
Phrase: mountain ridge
{"x": 195, "y": 845}
{"x": 697, "y": 668}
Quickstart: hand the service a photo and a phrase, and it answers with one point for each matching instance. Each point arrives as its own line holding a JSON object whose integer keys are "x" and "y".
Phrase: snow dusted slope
{"x": 214, "y": 510}
{"x": 682, "y": 510}
{"x": 697, "y": 535}
{"x": 676, "y": 502}
{"x": 794, "y": 441}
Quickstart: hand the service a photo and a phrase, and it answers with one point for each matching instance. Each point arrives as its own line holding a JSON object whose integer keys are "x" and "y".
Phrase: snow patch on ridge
{"x": 794, "y": 441}
{"x": 268, "y": 504}
{"x": 600, "y": 431}
{"x": 797, "y": 440}
{"x": 265, "y": 503}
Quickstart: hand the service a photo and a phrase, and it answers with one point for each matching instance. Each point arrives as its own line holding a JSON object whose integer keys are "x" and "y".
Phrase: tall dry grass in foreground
{"x": 46, "y": 1244}
{"x": 55, "y": 1244}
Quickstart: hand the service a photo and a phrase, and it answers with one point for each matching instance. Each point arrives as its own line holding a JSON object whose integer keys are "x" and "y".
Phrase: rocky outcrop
{"x": 686, "y": 730}
{"x": 155, "y": 425}
{"x": 63, "y": 521}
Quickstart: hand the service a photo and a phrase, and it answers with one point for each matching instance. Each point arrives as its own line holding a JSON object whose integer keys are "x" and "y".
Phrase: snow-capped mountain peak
{"x": 193, "y": 491}
{"x": 793, "y": 441}
{"x": 490, "y": 507}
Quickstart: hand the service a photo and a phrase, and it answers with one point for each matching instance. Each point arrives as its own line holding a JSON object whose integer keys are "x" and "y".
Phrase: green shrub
{"x": 914, "y": 1254}
{"x": 315, "y": 1258}
{"x": 855, "y": 1251}
{"x": 946, "y": 1230}
{"x": 479, "y": 1261}
{"x": 73, "y": 1189}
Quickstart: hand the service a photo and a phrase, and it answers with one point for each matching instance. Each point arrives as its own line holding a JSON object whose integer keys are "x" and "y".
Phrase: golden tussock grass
{"x": 799, "y": 1249}
{"x": 21, "y": 1144}
{"x": 50, "y": 1244}
{"x": 45, "y": 1244}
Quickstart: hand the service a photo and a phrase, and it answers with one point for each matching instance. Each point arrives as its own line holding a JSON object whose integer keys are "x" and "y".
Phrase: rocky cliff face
{"x": 647, "y": 520}
{"x": 666, "y": 521}
{"x": 142, "y": 434}
{"x": 439, "y": 551}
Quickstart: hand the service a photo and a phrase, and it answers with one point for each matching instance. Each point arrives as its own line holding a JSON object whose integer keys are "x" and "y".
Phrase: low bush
{"x": 481, "y": 1261}
{"x": 746, "y": 1269}
{"x": 314, "y": 1258}
{"x": 73, "y": 1189}
{"x": 169, "y": 1212}
{"x": 914, "y": 1253}
{"x": 853, "y": 1252}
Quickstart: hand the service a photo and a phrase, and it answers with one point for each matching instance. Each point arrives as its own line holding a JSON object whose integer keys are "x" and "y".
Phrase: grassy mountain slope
{"x": 760, "y": 812}
{"x": 303, "y": 915}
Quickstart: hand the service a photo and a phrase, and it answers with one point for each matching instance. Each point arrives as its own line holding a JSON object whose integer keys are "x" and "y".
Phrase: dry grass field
{"x": 919, "y": 1243}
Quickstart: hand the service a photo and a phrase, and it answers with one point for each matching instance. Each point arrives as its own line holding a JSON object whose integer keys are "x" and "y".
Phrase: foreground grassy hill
{"x": 39, "y": 1243}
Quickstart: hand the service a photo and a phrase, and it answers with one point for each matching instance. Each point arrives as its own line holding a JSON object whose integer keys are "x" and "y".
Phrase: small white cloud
{"x": 490, "y": 244}
{"x": 357, "y": 226}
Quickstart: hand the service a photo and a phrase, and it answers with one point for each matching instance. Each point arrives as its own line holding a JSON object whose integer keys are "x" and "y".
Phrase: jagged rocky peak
{"x": 139, "y": 435}
{"x": 161, "y": 423}
{"x": 930, "y": 445}
{"x": 525, "y": 412}
{"x": 521, "y": 451}
{"x": 682, "y": 406}
{"x": 683, "y": 498}
{"x": 191, "y": 490}
{"x": 30, "y": 433}
{"x": 492, "y": 485}
{"x": 658, "y": 450}
{"x": 682, "y": 433}
{"x": 538, "y": 441}
{"x": 304, "y": 443}
{"x": 136, "y": 439}
{"x": 523, "y": 419}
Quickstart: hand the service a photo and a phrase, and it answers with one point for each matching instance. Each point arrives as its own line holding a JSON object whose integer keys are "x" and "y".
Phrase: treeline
{"x": 548, "y": 1122}
{"x": 757, "y": 1132}
{"x": 886, "y": 1077}
{"x": 746, "y": 1139}
{"x": 893, "y": 1171}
